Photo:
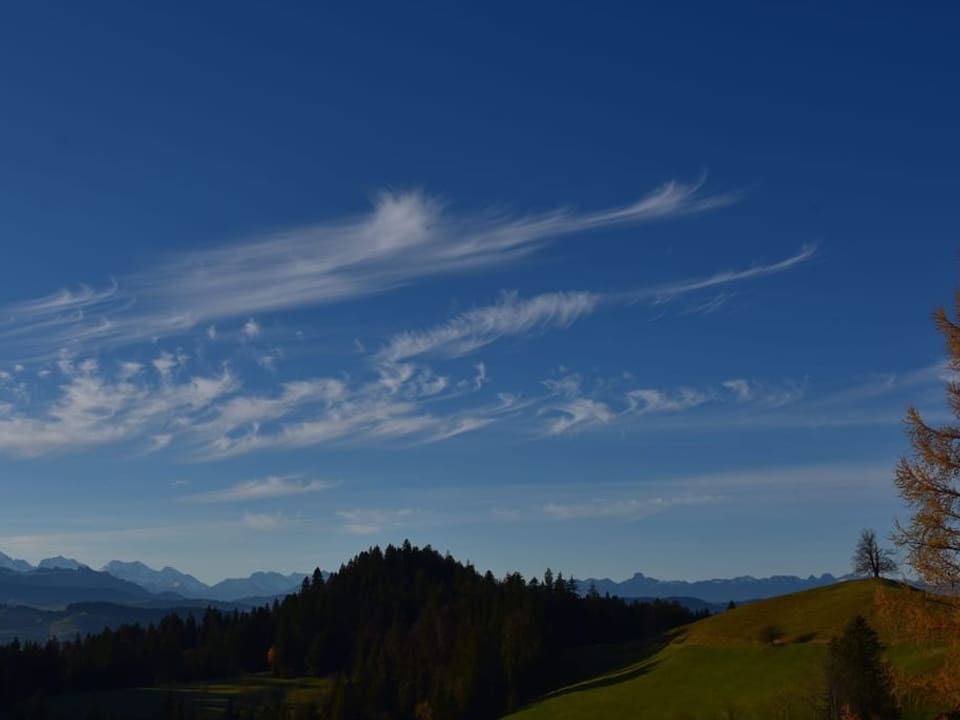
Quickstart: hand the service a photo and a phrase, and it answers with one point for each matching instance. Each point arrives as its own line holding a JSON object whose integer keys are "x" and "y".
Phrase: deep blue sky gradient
{"x": 131, "y": 136}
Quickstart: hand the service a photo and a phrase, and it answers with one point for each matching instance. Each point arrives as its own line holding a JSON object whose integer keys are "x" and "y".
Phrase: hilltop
{"x": 720, "y": 665}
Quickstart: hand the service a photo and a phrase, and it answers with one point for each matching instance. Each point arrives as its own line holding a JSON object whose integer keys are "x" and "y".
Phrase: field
{"x": 720, "y": 668}
{"x": 202, "y": 701}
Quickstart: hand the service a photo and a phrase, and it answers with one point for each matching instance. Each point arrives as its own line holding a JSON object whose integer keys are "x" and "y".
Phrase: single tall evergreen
{"x": 859, "y": 683}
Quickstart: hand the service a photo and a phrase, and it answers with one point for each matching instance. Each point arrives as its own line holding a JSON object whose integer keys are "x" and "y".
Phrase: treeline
{"x": 404, "y": 632}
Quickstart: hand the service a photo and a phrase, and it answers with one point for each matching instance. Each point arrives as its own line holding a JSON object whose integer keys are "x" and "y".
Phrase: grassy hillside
{"x": 262, "y": 695}
{"x": 720, "y": 668}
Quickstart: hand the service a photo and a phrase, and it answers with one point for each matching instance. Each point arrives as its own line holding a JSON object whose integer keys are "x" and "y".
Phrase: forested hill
{"x": 404, "y": 632}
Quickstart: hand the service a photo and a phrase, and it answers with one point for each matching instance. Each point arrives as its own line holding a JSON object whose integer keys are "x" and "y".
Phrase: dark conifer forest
{"x": 403, "y": 633}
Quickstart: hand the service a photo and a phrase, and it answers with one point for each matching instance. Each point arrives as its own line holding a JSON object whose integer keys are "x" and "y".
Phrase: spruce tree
{"x": 859, "y": 682}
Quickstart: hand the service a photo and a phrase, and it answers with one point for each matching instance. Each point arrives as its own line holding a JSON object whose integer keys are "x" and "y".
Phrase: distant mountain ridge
{"x": 170, "y": 583}
{"x": 54, "y": 587}
{"x": 9, "y": 563}
{"x": 167, "y": 584}
{"x": 157, "y": 581}
{"x": 61, "y": 563}
{"x": 718, "y": 590}
{"x": 171, "y": 580}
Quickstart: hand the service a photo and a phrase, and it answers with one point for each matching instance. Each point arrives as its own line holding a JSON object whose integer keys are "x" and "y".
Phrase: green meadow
{"x": 721, "y": 668}
{"x": 262, "y": 694}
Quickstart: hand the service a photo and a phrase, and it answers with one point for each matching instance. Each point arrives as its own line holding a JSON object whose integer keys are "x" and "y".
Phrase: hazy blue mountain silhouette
{"x": 266, "y": 585}
{"x": 719, "y": 590}
{"x": 60, "y": 563}
{"x": 167, "y": 585}
{"x": 167, "y": 580}
{"x": 58, "y": 587}
{"x": 9, "y": 563}
{"x": 259, "y": 584}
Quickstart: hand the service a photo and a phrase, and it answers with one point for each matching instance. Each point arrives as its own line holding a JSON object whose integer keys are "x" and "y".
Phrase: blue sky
{"x": 611, "y": 289}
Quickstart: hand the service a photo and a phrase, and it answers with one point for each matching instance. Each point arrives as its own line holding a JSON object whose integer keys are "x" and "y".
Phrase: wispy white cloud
{"x": 665, "y": 292}
{"x": 269, "y": 359}
{"x": 791, "y": 481}
{"x": 263, "y": 521}
{"x": 709, "y": 306}
{"x": 275, "y": 486}
{"x": 94, "y": 409}
{"x": 406, "y": 237}
{"x": 741, "y": 388}
{"x": 481, "y": 379}
{"x": 160, "y": 441}
{"x": 251, "y": 328}
{"x": 645, "y": 401}
{"x": 570, "y": 409}
{"x": 212, "y": 416}
{"x": 512, "y": 315}
{"x": 630, "y": 507}
{"x": 627, "y": 500}
{"x": 166, "y": 364}
{"x": 577, "y": 414}
{"x": 475, "y": 328}
{"x": 372, "y": 522}
{"x": 401, "y": 403}
{"x": 764, "y": 394}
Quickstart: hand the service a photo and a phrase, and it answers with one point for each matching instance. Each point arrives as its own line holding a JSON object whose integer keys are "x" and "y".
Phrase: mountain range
{"x": 718, "y": 590}
{"x": 171, "y": 580}
{"x": 62, "y": 596}
{"x": 142, "y": 583}
{"x": 8, "y": 563}
{"x": 57, "y": 587}
{"x": 126, "y": 582}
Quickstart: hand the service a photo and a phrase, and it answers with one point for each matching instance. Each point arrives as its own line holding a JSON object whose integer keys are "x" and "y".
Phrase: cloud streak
{"x": 405, "y": 238}
{"x": 663, "y": 293}
{"x": 373, "y": 521}
{"x": 509, "y": 316}
{"x": 275, "y": 486}
{"x": 630, "y": 507}
{"x": 569, "y": 409}
{"x": 512, "y": 315}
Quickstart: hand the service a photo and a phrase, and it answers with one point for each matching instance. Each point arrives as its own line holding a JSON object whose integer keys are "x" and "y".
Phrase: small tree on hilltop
{"x": 871, "y": 559}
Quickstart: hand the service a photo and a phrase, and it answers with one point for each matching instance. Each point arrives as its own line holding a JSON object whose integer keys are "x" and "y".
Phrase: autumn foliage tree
{"x": 929, "y": 480}
{"x": 929, "y": 483}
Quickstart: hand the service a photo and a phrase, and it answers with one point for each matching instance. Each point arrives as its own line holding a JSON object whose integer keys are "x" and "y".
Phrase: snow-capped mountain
{"x": 9, "y": 563}
{"x": 61, "y": 563}
{"x": 158, "y": 581}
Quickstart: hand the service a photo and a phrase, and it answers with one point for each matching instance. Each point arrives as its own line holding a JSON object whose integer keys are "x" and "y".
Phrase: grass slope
{"x": 269, "y": 696}
{"x": 719, "y": 668}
